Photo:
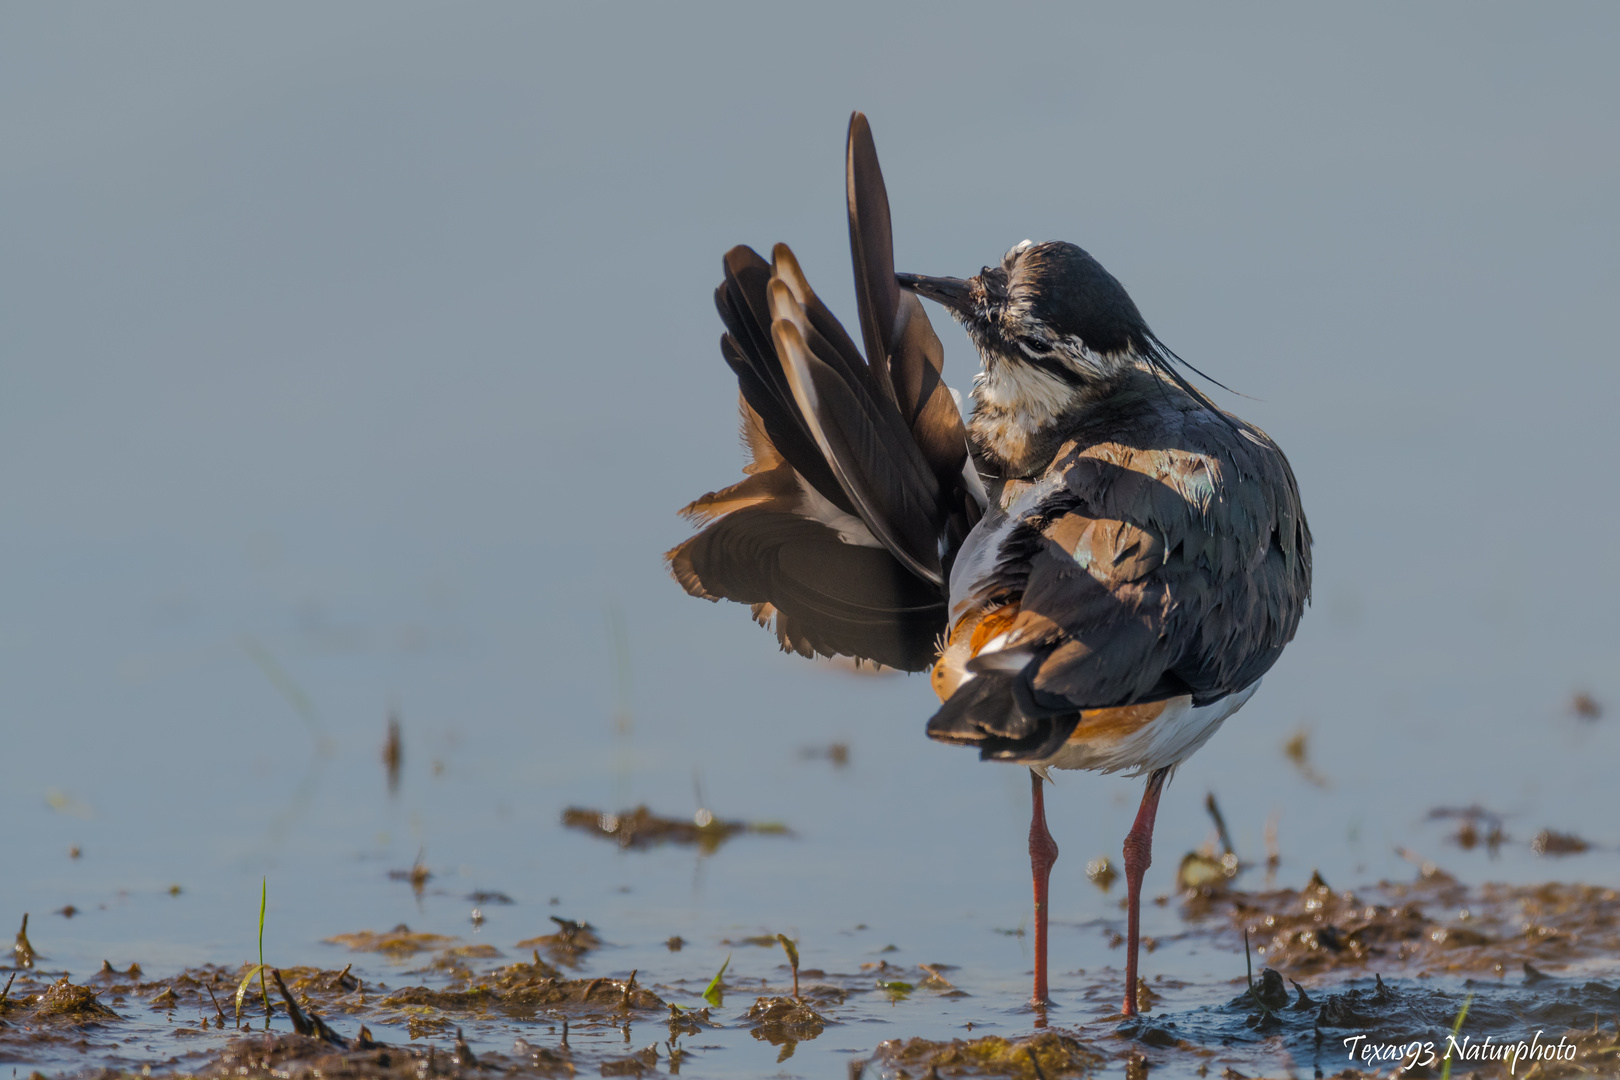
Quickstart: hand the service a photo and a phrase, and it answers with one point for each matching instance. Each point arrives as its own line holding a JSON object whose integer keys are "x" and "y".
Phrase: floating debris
{"x": 1477, "y": 825}
{"x": 641, "y": 828}
{"x": 400, "y": 941}
{"x": 782, "y": 1020}
{"x": 418, "y": 875}
{"x": 568, "y": 945}
{"x": 483, "y": 896}
{"x": 1549, "y": 842}
{"x": 1585, "y": 706}
{"x": 1102, "y": 873}
{"x": 836, "y": 753}
{"x": 1297, "y": 750}
{"x": 1202, "y": 871}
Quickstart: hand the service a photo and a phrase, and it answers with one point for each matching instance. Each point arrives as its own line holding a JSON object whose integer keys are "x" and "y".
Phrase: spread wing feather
{"x": 842, "y": 534}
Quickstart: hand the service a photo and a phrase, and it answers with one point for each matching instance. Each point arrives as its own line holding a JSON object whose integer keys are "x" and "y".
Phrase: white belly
{"x": 1173, "y": 737}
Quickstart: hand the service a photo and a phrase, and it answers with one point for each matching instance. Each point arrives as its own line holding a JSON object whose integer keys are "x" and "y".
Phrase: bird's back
{"x": 1162, "y": 553}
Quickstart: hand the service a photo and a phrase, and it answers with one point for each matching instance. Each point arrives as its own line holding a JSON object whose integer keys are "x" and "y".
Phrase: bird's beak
{"x": 952, "y": 292}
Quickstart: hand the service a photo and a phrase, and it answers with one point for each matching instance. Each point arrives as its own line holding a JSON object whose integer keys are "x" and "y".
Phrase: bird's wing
{"x": 842, "y": 533}
{"x": 1174, "y": 562}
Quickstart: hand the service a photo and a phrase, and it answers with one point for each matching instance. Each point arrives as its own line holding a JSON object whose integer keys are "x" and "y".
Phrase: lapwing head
{"x": 1048, "y": 306}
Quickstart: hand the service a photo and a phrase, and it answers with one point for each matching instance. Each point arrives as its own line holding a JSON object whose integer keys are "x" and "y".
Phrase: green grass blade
{"x": 1445, "y": 1070}
{"x": 241, "y": 988}
{"x": 711, "y": 993}
{"x": 264, "y": 892}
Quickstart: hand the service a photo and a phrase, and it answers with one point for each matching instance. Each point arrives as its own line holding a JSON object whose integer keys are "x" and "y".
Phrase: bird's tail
{"x": 860, "y": 488}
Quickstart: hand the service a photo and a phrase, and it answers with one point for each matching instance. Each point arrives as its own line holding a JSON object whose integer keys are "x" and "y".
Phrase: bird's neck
{"x": 1022, "y": 413}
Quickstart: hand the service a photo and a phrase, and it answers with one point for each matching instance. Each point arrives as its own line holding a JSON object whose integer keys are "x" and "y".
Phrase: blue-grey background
{"x": 378, "y": 340}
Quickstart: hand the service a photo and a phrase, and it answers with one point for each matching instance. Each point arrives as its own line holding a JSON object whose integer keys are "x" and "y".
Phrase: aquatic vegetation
{"x": 568, "y": 945}
{"x": 1044, "y": 1055}
{"x": 714, "y": 992}
{"x": 400, "y": 941}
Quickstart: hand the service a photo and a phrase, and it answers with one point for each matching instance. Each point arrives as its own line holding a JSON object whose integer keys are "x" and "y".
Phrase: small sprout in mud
{"x": 896, "y": 990}
{"x": 1585, "y": 706}
{"x": 714, "y": 992}
{"x": 242, "y": 989}
{"x": 1550, "y": 842}
{"x": 4, "y": 994}
{"x": 793, "y": 959}
{"x": 23, "y": 950}
{"x": 1102, "y": 873}
{"x": 393, "y": 752}
{"x": 629, "y": 991}
{"x": 1254, "y": 990}
{"x": 675, "y": 944}
{"x": 219, "y": 1013}
{"x": 1297, "y": 750}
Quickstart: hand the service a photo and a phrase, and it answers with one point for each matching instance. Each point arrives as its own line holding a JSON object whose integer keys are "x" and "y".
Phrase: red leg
{"x": 1138, "y": 857}
{"x": 1043, "y": 852}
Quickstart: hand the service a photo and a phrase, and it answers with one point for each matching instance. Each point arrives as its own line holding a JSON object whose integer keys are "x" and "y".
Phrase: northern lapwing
{"x": 1097, "y": 568}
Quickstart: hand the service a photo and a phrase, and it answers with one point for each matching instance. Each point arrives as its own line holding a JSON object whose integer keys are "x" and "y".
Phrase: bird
{"x": 1095, "y": 567}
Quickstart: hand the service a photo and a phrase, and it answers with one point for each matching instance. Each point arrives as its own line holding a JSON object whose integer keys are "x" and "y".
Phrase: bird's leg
{"x": 1138, "y": 857}
{"x": 1043, "y": 852}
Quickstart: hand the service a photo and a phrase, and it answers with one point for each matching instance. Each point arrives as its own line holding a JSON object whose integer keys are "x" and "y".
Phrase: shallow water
{"x": 362, "y": 372}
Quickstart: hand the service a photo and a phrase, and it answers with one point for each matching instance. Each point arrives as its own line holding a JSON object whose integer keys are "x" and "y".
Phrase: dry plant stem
{"x": 1043, "y": 853}
{"x": 1138, "y": 857}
